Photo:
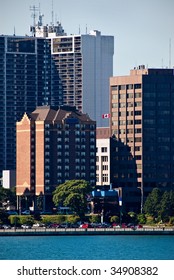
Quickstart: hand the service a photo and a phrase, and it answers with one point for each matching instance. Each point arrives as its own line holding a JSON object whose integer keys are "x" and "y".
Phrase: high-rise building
{"x": 85, "y": 64}
{"x": 53, "y": 146}
{"x": 142, "y": 110}
{"x": 28, "y": 78}
{"x": 51, "y": 68}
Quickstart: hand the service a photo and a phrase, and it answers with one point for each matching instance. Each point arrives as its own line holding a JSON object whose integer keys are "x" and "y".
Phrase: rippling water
{"x": 87, "y": 248}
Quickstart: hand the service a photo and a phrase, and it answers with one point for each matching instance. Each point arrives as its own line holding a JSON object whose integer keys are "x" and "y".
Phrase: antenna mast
{"x": 34, "y": 9}
{"x": 169, "y": 53}
{"x": 52, "y": 14}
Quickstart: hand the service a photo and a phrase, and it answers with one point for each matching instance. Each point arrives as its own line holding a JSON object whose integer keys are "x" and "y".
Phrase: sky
{"x": 143, "y": 30}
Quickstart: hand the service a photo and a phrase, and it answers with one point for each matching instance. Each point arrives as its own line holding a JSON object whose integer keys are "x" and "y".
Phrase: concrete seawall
{"x": 89, "y": 231}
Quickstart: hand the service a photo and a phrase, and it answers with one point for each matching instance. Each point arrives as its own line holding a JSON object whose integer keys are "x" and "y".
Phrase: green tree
{"x": 114, "y": 219}
{"x": 141, "y": 218}
{"x": 7, "y": 196}
{"x": 167, "y": 205}
{"x": 73, "y": 194}
{"x": 152, "y": 203}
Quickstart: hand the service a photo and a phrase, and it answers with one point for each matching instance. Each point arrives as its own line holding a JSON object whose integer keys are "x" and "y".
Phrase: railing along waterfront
{"x": 47, "y": 231}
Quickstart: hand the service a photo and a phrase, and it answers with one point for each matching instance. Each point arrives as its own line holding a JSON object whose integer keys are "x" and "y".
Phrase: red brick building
{"x": 53, "y": 146}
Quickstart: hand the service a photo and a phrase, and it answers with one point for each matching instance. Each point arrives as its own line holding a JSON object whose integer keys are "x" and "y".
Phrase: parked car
{"x": 54, "y": 225}
{"x": 138, "y": 226}
{"x": 26, "y": 212}
{"x": 115, "y": 225}
{"x": 6, "y": 226}
{"x": 37, "y": 225}
{"x": 25, "y": 226}
{"x": 86, "y": 225}
{"x": 11, "y": 212}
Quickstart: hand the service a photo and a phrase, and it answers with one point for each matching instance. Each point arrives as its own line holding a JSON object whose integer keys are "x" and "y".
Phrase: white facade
{"x": 103, "y": 162}
{"x": 97, "y": 53}
{"x": 8, "y": 179}
{"x": 85, "y": 64}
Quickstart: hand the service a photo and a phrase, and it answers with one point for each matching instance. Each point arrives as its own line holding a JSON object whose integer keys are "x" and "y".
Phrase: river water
{"x": 118, "y": 247}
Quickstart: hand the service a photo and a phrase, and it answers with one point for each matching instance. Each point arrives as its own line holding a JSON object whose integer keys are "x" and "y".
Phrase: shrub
{"x": 72, "y": 219}
{"x": 28, "y": 219}
{"x": 14, "y": 220}
{"x": 114, "y": 219}
{"x": 141, "y": 218}
{"x": 58, "y": 219}
{"x": 150, "y": 220}
{"x": 94, "y": 219}
{"x": 171, "y": 221}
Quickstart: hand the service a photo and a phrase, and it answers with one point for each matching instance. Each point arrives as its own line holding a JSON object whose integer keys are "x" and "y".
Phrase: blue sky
{"x": 142, "y": 29}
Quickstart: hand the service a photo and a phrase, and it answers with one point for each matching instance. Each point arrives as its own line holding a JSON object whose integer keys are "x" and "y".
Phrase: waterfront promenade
{"x": 89, "y": 231}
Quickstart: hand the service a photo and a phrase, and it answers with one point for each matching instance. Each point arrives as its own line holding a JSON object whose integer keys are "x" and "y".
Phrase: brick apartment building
{"x": 53, "y": 145}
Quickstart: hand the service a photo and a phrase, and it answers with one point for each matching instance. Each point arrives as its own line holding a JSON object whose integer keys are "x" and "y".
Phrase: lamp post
{"x": 142, "y": 198}
{"x": 120, "y": 206}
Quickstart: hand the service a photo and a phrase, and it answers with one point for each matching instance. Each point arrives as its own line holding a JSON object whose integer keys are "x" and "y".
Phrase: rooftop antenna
{"x": 34, "y": 9}
{"x": 170, "y": 53}
{"x": 14, "y": 34}
{"x": 40, "y": 22}
{"x": 52, "y": 15}
{"x": 86, "y": 29}
{"x": 79, "y": 29}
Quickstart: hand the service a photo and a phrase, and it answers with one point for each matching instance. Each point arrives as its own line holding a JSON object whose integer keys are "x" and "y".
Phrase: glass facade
{"x": 28, "y": 78}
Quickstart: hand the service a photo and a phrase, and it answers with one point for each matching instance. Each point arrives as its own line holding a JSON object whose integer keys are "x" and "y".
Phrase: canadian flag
{"x": 106, "y": 116}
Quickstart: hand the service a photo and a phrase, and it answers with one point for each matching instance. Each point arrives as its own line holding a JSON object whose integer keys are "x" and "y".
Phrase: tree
{"x": 73, "y": 194}
{"x": 167, "y": 205}
{"x": 152, "y": 203}
{"x": 7, "y": 196}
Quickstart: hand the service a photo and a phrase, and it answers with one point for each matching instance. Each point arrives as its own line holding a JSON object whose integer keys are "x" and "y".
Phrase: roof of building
{"x": 58, "y": 114}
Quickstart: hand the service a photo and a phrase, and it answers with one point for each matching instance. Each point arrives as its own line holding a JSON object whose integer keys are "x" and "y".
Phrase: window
{"x": 104, "y": 158}
{"x": 105, "y": 167}
{"x": 129, "y": 86}
{"x": 105, "y": 177}
{"x": 114, "y": 105}
{"x": 137, "y": 86}
{"x": 104, "y": 149}
{"x": 122, "y": 96}
{"x": 114, "y": 87}
{"x": 137, "y": 94}
{"x": 115, "y": 96}
{"x": 137, "y": 113}
{"x": 122, "y": 87}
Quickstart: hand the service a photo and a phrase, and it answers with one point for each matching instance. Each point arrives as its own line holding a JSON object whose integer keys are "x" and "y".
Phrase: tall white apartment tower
{"x": 85, "y": 64}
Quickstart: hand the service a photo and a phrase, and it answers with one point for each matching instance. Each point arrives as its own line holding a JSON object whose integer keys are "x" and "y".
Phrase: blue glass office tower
{"x": 28, "y": 78}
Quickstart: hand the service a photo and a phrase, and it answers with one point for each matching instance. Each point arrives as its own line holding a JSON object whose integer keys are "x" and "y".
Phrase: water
{"x": 87, "y": 248}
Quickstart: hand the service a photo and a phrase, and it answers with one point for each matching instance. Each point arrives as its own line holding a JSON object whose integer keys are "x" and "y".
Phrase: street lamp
{"x": 142, "y": 198}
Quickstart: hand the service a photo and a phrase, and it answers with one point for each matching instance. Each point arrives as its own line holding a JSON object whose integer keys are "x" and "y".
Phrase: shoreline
{"x": 89, "y": 231}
